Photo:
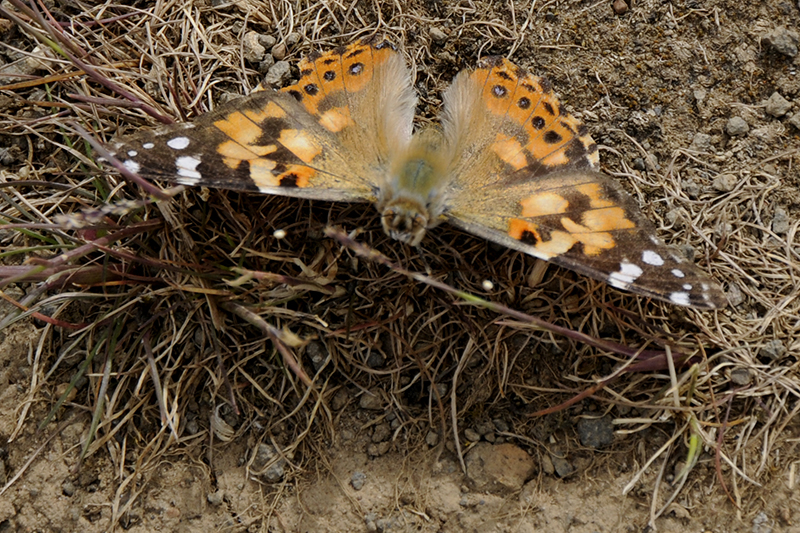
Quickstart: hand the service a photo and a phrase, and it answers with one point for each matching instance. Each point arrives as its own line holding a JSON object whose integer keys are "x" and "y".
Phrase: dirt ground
{"x": 204, "y": 426}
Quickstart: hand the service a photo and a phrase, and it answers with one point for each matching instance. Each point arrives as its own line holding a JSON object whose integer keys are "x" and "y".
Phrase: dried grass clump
{"x": 189, "y": 321}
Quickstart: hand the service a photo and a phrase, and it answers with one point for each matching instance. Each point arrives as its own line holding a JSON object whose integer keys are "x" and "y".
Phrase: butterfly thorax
{"x": 412, "y": 200}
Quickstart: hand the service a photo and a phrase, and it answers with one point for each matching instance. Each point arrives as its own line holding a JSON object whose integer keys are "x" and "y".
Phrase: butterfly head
{"x": 405, "y": 220}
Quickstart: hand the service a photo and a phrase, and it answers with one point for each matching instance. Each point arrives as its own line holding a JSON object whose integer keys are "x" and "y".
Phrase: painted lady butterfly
{"x": 507, "y": 164}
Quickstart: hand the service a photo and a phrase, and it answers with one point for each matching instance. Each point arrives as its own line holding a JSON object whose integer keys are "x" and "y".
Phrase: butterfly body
{"x": 505, "y": 163}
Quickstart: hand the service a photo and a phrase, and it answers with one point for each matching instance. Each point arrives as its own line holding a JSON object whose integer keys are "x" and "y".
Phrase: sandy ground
{"x": 657, "y": 86}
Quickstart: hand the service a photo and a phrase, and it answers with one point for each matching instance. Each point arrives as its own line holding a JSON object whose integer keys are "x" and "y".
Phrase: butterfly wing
{"x": 524, "y": 175}
{"x": 327, "y": 137}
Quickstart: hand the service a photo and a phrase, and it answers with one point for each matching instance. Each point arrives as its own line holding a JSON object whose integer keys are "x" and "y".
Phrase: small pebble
{"x": 252, "y": 48}
{"x": 777, "y": 105}
{"x": 68, "y": 488}
{"x": 725, "y": 182}
{"x": 620, "y": 7}
{"x": 741, "y": 376}
{"x": 438, "y": 35}
{"x": 357, "y": 480}
{"x": 734, "y": 295}
{"x": 780, "y": 221}
{"x": 278, "y": 51}
{"x": 267, "y": 41}
{"x": 783, "y": 41}
{"x": 736, "y": 126}
{"x": 596, "y": 432}
{"x": 794, "y": 120}
{"x": 371, "y": 400}
{"x": 471, "y": 435}
{"x": 432, "y": 439}
{"x": 772, "y": 349}
{"x": 277, "y": 73}
{"x": 701, "y": 141}
{"x": 215, "y": 498}
{"x": 501, "y": 425}
{"x": 293, "y": 38}
{"x": 381, "y": 433}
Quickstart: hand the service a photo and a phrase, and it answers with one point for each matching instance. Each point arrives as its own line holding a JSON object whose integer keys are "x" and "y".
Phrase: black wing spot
{"x": 549, "y": 108}
{"x": 311, "y": 89}
{"x": 329, "y": 61}
{"x": 538, "y": 122}
{"x": 568, "y": 127}
{"x": 297, "y": 94}
{"x": 504, "y": 75}
{"x": 552, "y": 137}
{"x": 329, "y": 75}
{"x": 356, "y": 69}
{"x": 524, "y": 102}
{"x": 306, "y": 72}
{"x": 529, "y": 237}
{"x": 499, "y": 91}
{"x": 289, "y": 180}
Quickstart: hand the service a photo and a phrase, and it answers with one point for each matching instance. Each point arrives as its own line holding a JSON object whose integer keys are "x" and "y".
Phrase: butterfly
{"x": 506, "y": 163}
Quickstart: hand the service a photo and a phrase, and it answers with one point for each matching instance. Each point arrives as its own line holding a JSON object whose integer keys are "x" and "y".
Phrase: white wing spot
{"x": 652, "y": 258}
{"x": 678, "y": 273}
{"x": 705, "y": 286}
{"x": 655, "y": 240}
{"x": 687, "y": 287}
{"x": 132, "y": 153}
{"x": 186, "y": 169}
{"x": 133, "y": 166}
{"x": 148, "y": 146}
{"x": 178, "y": 143}
{"x": 627, "y": 274}
{"x": 680, "y": 298}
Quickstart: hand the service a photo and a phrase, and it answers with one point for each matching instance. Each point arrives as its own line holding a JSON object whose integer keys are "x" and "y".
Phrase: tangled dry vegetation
{"x": 174, "y": 326}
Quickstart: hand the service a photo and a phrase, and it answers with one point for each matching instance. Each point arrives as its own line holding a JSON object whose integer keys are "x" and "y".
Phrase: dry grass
{"x": 188, "y": 321}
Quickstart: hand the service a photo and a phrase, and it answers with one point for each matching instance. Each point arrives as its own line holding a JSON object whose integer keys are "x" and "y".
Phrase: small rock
{"x": 699, "y": 95}
{"x": 278, "y": 51}
{"x": 780, "y": 221}
{"x": 725, "y": 182}
{"x": 381, "y": 433}
{"x": 783, "y": 41}
{"x": 639, "y": 164}
{"x": 596, "y": 432}
{"x": 293, "y": 38}
{"x": 761, "y": 523}
{"x": 741, "y": 376}
{"x": 67, "y": 488}
{"x": 501, "y": 425}
{"x": 252, "y": 48}
{"x": 688, "y": 252}
{"x": 266, "y": 64}
{"x": 267, "y": 41}
{"x": 438, "y": 35}
{"x": 340, "y": 399}
{"x": 264, "y": 455}
{"x": 561, "y": 466}
{"x": 432, "y": 438}
{"x": 794, "y": 120}
{"x": 772, "y": 349}
{"x": 620, "y": 7}
{"x": 547, "y": 465}
{"x": 777, "y": 105}
{"x": 498, "y": 468}
{"x": 371, "y": 400}
{"x": 691, "y": 188}
{"x": 277, "y": 73}
{"x": 736, "y": 126}
{"x": 376, "y": 450}
{"x": 376, "y": 360}
{"x": 734, "y": 295}
{"x": 215, "y": 498}
{"x": 723, "y": 229}
{"x": 701, "y": 141}
{"x": 316, "y": 351}
{"x": 357, "y": 480}
{"x": 471, "y": 435}
{"x": 484, "y": 427}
